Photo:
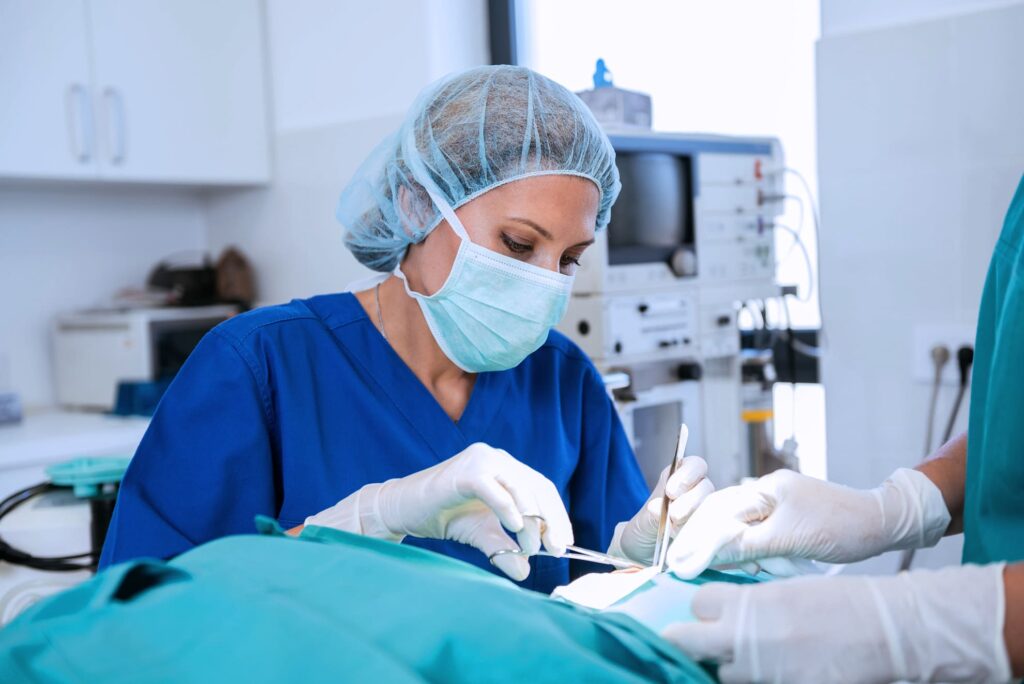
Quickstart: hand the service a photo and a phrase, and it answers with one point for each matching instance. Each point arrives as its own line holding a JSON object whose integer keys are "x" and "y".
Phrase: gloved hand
{"x": 688, "y": 486}
{"x": 922, "y": 626}
{"x": 468, "y": 499}
{"x": 791, "y": 515}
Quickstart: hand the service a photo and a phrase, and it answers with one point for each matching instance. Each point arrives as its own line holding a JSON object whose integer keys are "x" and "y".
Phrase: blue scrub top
{"x": 286, "y": 410}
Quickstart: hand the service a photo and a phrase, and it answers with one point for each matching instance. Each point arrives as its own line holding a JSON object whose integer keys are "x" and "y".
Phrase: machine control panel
{"x": 651, "y": 325}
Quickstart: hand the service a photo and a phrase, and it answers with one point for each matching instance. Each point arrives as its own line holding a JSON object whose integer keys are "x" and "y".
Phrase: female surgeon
{"x": 958, "y": 624}
{"x": 436, "y": 404}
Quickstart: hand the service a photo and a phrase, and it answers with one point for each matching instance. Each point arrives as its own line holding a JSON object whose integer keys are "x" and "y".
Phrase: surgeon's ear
{"x": 415, "y": 208}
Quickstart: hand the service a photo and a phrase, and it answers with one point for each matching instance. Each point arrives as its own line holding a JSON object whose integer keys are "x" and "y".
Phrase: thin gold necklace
{"x": 380, "y": 316}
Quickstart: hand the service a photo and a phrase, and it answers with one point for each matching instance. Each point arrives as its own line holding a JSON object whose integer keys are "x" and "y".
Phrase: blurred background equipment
{"x": 50, "y": 533}
{"x": 94, "y": 351}
{"x": 236, "y": 282}
{"x": 657, "y": 295}
{"x": 10, "y": 402}
{"x": 185, "y": 281}
{"x": 123, "y": 356}
{"x": 615, "y": 107}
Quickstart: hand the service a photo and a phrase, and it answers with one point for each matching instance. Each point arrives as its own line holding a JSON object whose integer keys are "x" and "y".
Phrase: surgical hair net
{"x": 467, "y": 134}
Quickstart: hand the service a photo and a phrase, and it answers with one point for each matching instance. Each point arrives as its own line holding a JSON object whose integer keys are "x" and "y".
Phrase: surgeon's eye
{"x": 569, "y": 263}
{"x": 516, "y": 247}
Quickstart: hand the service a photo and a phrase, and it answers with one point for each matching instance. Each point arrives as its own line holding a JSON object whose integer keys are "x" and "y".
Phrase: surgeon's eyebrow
{"x": 540, "y": 229}
{"x": 543, "y": 231}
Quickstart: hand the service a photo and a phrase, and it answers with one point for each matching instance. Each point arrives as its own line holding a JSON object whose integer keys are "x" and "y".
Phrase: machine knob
{"x": 689, "y": 371}
{"x": 683, "y": 262}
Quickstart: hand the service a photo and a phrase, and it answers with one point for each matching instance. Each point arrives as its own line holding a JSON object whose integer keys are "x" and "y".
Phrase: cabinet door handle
{"x": 79, "y": 116}
{"x": 115, "y": 117}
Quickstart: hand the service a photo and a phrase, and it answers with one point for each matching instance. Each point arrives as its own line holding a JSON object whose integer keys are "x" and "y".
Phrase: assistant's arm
{"x": 959, "y": 623}
{"x": 947, "y": 469}
{"x": 1013, "y": 628}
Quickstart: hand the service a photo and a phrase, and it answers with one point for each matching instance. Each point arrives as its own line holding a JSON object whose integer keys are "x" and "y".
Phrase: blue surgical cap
{"x": 467, "y": 134}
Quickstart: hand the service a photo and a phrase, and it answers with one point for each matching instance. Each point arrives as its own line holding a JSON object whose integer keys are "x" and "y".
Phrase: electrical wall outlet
{"x": 926, "y": 337}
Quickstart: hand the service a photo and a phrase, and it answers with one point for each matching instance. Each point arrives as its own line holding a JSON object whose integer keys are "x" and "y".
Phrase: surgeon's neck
{"x": 407, "y": 333}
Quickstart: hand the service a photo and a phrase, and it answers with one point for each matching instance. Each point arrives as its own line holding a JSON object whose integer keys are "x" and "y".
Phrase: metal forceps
{"x": 574, "y": 552}
{"x": 664, "y": 524}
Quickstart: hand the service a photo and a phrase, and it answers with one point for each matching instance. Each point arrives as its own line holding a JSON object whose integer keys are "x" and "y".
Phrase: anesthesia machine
{"x": 656, "y": 300}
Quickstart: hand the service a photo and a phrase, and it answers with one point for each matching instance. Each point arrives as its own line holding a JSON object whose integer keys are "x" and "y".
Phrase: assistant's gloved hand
{"x": 785, "y": 514}
{"x": 688, "y": 486}
{"x": 922, "y": 626}
{"x": 466, "y": 499}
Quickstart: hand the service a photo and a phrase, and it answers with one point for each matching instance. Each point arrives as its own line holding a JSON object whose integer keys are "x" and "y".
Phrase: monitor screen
{"x": 653, "y": 216}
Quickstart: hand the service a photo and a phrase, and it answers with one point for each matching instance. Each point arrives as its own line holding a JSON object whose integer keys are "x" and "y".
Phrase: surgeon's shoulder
{"x": 239, "y": 329}
{"x": 298, "y": 317}
{"x": 565, "y": 355}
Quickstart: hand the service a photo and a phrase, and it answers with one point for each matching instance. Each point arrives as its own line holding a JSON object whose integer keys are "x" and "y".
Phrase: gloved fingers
{"x": 645, "y": 522}
{"x": 721, "y": 518}
{"x": 537, "y": 496}
{"x": 733, "y": 673}
{"x": 692, "y": 470}
{"x": 487, "y": 535}
{"x": 757, "y": 542}
{"x": 557, "y": 532}
{"x": 683, "y": 507}
{"x": 499, "y": 499}
{"x": 653, "y": 508}
{"x": 529, "y": 536}
{"x": 711, "y": 600}
{"x": 750, "y": 567}
{"x": 516, "y": 566}
{"x": 711, "y": 637}
{"x": 701, "y": 641}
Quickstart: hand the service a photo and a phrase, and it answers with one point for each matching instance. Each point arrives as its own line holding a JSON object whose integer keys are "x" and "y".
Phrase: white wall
{"x": 845, "y": 16}
{"x": 343, "y": 75}
{"x": 920, "y": 146}
{"x": 72, "y": 247}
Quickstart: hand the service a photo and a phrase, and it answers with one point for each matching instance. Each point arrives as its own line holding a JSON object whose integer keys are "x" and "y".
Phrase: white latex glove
{"x": 791, "y": 515}
{"x": 468, "y": 499}
{"x": 922, "y": 626}
{"x": 688, "y": 486}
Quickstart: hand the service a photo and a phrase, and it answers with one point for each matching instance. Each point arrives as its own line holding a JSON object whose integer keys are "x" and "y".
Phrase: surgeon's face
{"x": 547, "y": 221}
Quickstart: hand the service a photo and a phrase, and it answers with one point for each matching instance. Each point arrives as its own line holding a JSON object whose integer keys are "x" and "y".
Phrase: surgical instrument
{"x": 577, "y": 553}
{"x": 664, "y": 524}
{"x": 574, "y": 552}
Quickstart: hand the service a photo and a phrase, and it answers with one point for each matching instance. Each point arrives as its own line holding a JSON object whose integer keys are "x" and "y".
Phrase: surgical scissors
{"x": 664, "y": 528}
{"x": 574, "y": 552}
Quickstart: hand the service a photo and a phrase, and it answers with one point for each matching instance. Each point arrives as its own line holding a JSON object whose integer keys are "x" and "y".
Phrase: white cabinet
{"x": 179, "y": 89}
{"x": 46, "y": 127}
{"x": 158, "y": 91}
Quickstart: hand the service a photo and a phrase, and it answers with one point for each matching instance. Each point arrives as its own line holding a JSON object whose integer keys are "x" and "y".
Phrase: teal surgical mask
{"x": 492, "y": 311}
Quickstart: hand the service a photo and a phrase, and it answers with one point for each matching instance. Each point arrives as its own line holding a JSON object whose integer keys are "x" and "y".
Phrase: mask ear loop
{"x": 448, "y": 214}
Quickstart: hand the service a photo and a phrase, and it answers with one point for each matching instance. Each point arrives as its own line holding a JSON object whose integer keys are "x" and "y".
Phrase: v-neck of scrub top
{"x": 345, "y": 317}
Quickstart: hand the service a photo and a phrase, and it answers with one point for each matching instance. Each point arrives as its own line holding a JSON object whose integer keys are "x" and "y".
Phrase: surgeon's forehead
{"x": 557, "y": 202}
